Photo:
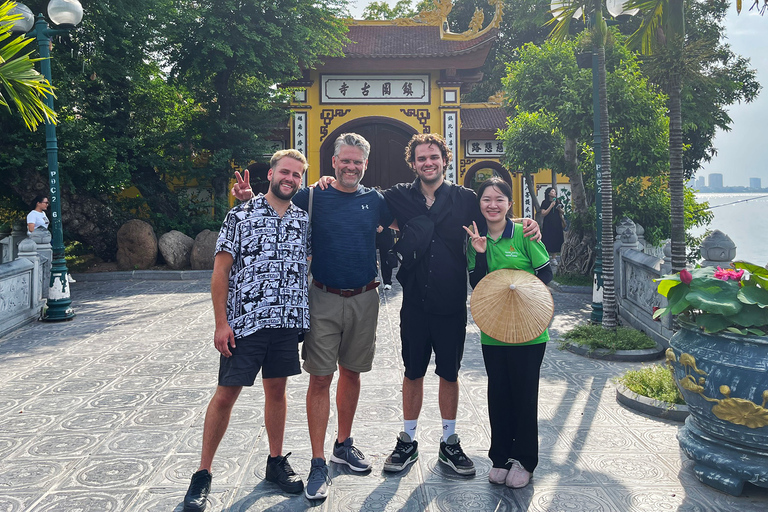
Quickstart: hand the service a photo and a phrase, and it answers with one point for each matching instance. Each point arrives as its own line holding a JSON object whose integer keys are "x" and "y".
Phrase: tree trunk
{"x": 577, "y": 256}
{"x": 676, "y": 178}
{"x": 609, "y": 290}
{"x": 534, "y": 200}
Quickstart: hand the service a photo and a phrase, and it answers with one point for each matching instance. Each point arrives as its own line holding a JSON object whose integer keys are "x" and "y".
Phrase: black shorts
{"x": 421, "y": 333}
{"x": 277, "y": 350}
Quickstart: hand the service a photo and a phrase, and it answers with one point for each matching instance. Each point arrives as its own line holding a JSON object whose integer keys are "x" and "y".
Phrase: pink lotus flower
{"x": 686, "y": 276}
{"x": 728, "y": 273}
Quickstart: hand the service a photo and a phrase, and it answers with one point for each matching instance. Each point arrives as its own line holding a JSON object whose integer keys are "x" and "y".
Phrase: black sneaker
{"x": 406, "y": 453}
{"x": 197, "y": 495}
{"x": 453, "y": 456}
{"x": 279, "y": 471}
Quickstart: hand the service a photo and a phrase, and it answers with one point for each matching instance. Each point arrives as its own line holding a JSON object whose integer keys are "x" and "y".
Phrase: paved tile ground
{"x": 105, "y": 413}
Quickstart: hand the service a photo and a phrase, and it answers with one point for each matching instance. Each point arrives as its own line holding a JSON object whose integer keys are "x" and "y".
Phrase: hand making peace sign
{"x": 478, "y": 242}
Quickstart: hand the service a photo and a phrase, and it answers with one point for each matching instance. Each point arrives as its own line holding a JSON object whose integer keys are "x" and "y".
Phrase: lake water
{"x": 744, "y": 222}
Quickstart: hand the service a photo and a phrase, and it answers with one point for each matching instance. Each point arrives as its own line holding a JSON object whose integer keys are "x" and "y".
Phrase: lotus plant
{"x": 717, "y": 299}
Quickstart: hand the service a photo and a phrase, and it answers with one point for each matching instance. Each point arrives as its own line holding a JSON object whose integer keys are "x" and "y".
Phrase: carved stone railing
{"x": 636, "y": 295}
{"x": 636, "y": 268}
{"x": 21, "y": 285}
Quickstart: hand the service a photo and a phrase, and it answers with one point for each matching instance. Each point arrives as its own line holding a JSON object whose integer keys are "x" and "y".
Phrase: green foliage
{"x": 384, "y": 11}
{"x": 595, "y": 336}
{"x": 547, "y": 78}
{"x": 656, "y": 382}
{"x": 144, "y": 99}
{"x": 532, "y": 141}
{"x": 523, "y": 22}
{"x": 20, "y": 85}
{"x": 718, "y": 299}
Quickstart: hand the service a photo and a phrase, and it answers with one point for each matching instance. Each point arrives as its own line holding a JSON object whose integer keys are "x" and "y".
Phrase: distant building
{"x": 754, "y": 183}
{"x": 700, "y": 183}
{"x": 715, "y": 180}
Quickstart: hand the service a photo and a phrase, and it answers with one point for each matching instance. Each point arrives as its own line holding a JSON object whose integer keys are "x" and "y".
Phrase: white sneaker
{"x": 387, "y": 286}
{"x": 498, "y": 475}
{"x": 518, "y": 477}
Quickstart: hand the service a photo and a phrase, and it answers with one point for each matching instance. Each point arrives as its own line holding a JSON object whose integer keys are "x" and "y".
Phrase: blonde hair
{"x": 290, "y": 153}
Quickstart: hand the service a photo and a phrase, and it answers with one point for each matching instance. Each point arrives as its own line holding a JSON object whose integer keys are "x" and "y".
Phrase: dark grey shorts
{"x": 276, "y": 350}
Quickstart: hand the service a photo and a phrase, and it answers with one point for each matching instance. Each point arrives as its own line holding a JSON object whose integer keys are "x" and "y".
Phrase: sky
{"x": 742, "y": 153}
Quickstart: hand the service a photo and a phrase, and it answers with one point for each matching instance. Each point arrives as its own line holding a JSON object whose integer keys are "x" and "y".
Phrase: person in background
{"x": 388, "y": 261}
{"x": 552, "y": 227}
{"x": 513, "y": 370}
{"x": 37, "y": 218}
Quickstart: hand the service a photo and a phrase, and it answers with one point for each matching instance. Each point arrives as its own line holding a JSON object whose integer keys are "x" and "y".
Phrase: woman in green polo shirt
{"x": 513, "y": 370}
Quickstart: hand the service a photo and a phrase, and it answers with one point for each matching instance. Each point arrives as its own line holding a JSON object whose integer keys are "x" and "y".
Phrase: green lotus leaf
{"x": 666, "y": 284}
{"x": 753, "y": 295}
{"x": 703, "y": 272}
{"x": 762, "y": 281}
{"x": 716, "y": 303}
{"x": 750, "y": 315}
{"x": 712, "y": 323}
{"x": 757, "y": 332}
{"x": 753, "y": 269}
{"x": 659, "y": 312}
{"x": 677, "y": 300}
{"x": 713, "y": 285}
{"x": 734, "y": 330}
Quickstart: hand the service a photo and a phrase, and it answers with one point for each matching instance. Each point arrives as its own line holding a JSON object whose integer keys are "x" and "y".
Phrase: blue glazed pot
{"x": 724, "y": 380}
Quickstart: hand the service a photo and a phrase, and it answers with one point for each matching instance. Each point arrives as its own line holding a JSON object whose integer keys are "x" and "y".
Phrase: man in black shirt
{"x": 434, "y": 312}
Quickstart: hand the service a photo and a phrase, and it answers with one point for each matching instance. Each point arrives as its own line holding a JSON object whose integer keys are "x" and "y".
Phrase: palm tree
{"x": 563, "y": 15}
{"x": 662, "y": 33}
{"x": 20, "y": 84}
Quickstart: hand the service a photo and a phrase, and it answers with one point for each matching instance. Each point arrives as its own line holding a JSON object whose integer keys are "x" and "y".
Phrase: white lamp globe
{"x": 27, "y": 20}
{"x": 65, "y": 13}
{"x": 558, "y": 5}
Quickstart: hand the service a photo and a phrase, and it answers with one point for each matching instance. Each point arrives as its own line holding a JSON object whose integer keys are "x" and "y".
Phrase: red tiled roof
{"x": 376, "y": 41}
{"x": 483, "y": 119}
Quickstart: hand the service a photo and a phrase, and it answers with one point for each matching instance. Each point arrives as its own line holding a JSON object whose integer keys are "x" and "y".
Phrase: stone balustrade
{"x": 636, "y": 266}
{"x": 21, "y": 286}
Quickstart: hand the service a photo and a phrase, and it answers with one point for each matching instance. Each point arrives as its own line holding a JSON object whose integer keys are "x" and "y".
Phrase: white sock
{"x": 449, "y": 428}
{"x": 409, "y": 427}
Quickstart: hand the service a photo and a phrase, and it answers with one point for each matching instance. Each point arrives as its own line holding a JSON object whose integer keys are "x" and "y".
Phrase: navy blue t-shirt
{"x": 344, "y": 234}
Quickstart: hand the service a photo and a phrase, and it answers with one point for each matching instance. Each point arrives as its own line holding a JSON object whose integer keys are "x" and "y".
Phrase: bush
{"x": 595, "y": 336}
{"x": 654, "y": 382}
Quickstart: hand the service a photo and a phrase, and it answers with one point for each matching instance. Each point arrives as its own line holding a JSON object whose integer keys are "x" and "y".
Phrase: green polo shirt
{"x": 512, "y": 250}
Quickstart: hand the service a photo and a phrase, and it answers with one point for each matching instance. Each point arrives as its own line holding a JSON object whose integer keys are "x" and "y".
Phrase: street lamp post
{"x": 66, "y": 14}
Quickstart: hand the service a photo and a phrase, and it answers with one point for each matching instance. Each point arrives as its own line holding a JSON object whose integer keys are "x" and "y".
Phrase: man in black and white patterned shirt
{"x": 260, "y": 306}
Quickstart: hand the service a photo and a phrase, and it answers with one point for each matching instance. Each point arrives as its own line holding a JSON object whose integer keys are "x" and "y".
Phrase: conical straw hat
{"x": 512, "y": 306}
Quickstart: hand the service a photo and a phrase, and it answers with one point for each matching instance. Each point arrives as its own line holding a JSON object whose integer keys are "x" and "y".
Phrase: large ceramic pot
{"x": 724, "y": 380}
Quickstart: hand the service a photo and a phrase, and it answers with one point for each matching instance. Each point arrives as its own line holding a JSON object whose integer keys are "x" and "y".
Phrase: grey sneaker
{"x": 406, "y": 452}
{"x": 346, "y": 453}
{"x": 318, "y": 480}
{"x": 453, "y": 456}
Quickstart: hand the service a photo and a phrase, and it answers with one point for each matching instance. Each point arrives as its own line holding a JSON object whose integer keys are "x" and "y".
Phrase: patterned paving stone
{"x": 105, "y": 413}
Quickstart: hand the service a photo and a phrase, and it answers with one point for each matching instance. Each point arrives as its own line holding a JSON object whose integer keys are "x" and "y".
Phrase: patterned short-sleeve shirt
{"x": 268, "y": 280}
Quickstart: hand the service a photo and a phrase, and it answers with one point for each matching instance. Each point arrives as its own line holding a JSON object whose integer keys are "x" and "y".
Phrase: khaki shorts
{"x": 342, "y": 330}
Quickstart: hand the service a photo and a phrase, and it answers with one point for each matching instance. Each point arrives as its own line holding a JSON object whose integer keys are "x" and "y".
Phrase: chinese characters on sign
{"x": 450, "y": 121}
{"x": 527, "y": 203}
{"x": 300, "y": 135}
{"x": 374, "y": 89}
{"x": 482, "y": 148}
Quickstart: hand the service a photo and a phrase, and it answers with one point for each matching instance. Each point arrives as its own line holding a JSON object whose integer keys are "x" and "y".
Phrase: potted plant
{"x": 720, "y": 362}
